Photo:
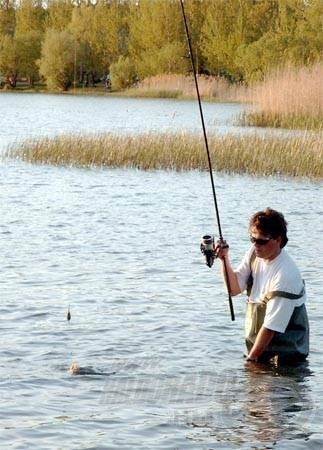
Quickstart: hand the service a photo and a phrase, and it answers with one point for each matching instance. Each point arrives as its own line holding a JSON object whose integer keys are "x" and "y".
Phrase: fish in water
{"x": 76, "y": 369}
{"x": 68, "y": 314}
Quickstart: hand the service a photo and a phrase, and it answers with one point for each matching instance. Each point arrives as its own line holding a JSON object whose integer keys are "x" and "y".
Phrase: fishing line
{"x": 208, "y": 153}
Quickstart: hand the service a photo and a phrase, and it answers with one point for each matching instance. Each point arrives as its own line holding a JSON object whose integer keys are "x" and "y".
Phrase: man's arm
{"x": 230, "y": 276}
{"x": 263, "y": 339}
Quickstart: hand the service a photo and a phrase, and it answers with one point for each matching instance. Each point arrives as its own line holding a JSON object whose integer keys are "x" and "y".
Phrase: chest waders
{"x": 293, "y": 344}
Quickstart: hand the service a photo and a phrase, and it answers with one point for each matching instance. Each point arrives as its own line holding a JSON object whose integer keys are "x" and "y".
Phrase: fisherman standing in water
{"x": 276, "y": 319}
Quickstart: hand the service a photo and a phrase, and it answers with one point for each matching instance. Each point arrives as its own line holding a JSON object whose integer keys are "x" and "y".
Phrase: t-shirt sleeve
{"x": 278, "y": 313}
{"x": 243, "y": 270}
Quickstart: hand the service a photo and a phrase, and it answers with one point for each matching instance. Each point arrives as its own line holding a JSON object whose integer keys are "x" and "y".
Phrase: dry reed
{"x": 290, "y": 97}
{"x": 181, "y": 86}
{"x": 296, "y": 156}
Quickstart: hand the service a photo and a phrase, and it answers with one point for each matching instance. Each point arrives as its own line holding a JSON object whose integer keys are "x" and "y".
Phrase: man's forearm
{"x": 230, "y": 277}
{"x": 263, "y": 339}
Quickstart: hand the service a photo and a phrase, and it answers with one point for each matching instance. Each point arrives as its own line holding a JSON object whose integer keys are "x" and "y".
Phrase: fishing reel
{"x": 208, "y": 249}
{"x": 211, "y": 250}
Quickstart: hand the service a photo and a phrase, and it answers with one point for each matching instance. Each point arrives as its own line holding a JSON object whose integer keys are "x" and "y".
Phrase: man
{"x": 276, "y": 318}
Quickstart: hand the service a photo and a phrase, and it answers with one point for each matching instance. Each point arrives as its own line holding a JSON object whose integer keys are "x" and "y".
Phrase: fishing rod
{"x": 208, "y": 239}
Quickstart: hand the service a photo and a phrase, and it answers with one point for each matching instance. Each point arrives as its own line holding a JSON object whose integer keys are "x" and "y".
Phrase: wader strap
{"x": 283, "y": 294}
{"x": 250, "y": 279}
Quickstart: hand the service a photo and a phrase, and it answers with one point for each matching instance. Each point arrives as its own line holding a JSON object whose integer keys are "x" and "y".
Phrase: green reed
{"x": 297, "y": 156}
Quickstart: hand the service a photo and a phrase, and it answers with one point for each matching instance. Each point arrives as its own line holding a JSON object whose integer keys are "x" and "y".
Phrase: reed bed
{"x": 181, "y": 86}
{"x": 256, "y": 155}
{"x": 289, "y": 98}
{"x": 276, "y": 120}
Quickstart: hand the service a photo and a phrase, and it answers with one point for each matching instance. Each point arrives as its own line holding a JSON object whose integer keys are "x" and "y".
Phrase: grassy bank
{"x": 42, "y": 89}
{"x": 296, "y": 157}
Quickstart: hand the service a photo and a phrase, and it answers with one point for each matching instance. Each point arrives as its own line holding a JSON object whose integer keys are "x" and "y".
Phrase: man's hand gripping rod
{"x": 221, "y": 240}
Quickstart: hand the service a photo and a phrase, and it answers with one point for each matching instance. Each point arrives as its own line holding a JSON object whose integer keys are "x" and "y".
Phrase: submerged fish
{"x": 75, "y": 369}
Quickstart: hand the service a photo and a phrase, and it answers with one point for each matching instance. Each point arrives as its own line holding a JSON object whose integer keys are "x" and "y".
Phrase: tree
{"x": 82, "y": 27}
{"x": 110, "y": 31}
{"x": 221, "y": 35}
{"x": 239, "y": 39}
{"x": 229, "y": 28}
{"x": 123, "y": 73}
{"x": 195, "y": 14}
{"x": 30, "y": 22}
{"x": 59, "y": 14}
{"x": 57, "y": 59}
{"x": 100, "y": 30}
{"x": 257, "y": 58}
{"x": 309, "y": 34}
{"x": 155, "y": 34}
{"x": 18, "y": 55}
{"x": 28, "y": 51}
{"x": 9, "y": 60}
{"x": 7, "y": 17}
{"x": 30, "y": 16}
{"x": 294, "y": 38}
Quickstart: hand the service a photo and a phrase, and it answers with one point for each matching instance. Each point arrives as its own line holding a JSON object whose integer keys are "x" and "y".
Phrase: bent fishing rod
{"x": 221, "y": 240}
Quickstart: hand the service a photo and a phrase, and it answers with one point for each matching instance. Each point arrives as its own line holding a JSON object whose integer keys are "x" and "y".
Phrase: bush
{"x": 123, "y": 74}
{"x": 166, "y": 60}
{"x": 57, "y": 59}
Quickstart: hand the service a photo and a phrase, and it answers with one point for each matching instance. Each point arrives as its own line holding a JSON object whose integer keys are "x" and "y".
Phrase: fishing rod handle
{"x": 227, "y": 283}
{"x": 223, "y": 244}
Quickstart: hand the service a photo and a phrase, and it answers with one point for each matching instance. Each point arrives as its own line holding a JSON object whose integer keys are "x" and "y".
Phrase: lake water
{"x": 59, "y": 114}
{"x": 149, "y": 321}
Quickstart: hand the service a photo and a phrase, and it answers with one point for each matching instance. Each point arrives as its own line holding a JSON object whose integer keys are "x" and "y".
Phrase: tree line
{"x": 79, "y": 42}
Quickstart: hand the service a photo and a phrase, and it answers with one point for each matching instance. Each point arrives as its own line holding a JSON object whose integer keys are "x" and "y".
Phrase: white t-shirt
{"x": 280, "y": 274}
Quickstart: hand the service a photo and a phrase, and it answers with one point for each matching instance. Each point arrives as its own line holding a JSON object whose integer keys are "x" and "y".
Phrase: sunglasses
{"x": 254, "y": 240}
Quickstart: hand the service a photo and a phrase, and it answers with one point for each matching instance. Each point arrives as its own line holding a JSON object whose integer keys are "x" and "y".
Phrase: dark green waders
{"x": 291, "y": 346}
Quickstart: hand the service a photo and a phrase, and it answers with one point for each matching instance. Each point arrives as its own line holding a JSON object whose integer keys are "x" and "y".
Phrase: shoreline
{"x": 259, "y": 119}
{"x": 131, "y": 93}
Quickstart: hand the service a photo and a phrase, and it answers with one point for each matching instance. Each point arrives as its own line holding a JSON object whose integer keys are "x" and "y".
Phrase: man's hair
{"x": 270, "y": 222}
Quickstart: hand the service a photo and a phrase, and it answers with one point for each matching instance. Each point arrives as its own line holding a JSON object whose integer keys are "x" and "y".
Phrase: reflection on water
{"x": 278, "y": 404}
{"x": 260, "y": 405}
{"x": 262, "y": 409}
{"x": 263, "y": 405}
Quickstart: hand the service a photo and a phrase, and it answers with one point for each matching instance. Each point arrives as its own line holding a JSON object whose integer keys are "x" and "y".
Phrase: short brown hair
{"x": 270, "y": 222}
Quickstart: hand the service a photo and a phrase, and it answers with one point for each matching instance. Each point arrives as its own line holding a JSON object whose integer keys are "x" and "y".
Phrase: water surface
{"x": 32, "y": 115}
{"x": 149, "y": 319}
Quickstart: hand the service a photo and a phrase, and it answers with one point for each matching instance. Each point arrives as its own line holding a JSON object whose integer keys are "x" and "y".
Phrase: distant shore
{"x": 290, "y": 98}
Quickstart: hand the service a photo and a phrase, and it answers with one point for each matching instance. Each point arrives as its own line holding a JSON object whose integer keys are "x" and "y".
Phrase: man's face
{"x": 267, "y": 248}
